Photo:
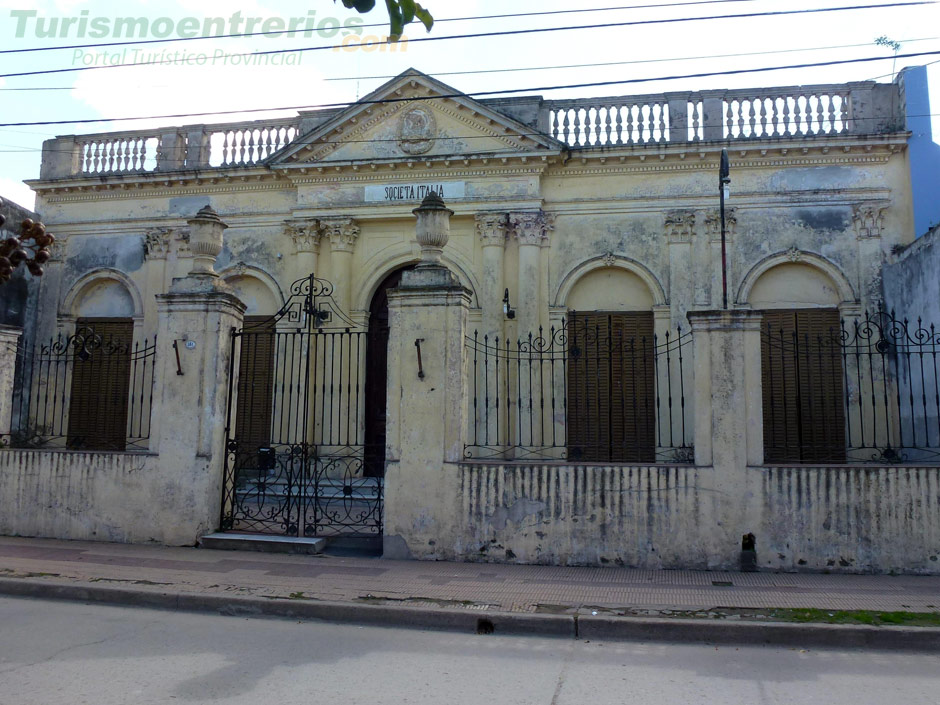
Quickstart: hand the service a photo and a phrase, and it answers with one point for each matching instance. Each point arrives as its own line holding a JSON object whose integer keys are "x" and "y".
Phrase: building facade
{"x": 604, "y": 297}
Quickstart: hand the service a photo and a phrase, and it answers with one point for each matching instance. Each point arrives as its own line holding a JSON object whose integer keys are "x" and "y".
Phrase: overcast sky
{"x": 303, "y": 79}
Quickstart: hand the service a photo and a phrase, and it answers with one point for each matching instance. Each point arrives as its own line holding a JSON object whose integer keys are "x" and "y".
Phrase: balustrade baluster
{"x": 110, "y": 158}
{"x": 556, "y": 133}
{"x": 97, "y": 160}
{"x": 578, "y": 137}
{"x": 762, "y": 119}
{"x": 752, "y": 122}
{"x": 797, "y": 115}
{"x": 619, "y": 123}
{"x": 566, "y": 126}
{"x": 729, "y": 120}
{"x": 252, "y": 153}
{"x": 143, "y": 153}
{"x": 240, "y": 136}
{"x": 696, "y": 120}
{"x": 608, "y": 125}
{"x": 226, "y": 148}
{"x": 663, "y": 123}
{"x": 630, "y": 137}
{"x": 820, "y": 114}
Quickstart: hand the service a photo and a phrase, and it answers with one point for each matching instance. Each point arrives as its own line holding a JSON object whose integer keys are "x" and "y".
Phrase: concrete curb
{"x": 599, "y": 628}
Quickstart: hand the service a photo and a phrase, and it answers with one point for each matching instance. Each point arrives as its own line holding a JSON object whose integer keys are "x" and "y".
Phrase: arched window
{"x": 101, "y": 360}
{"x": 611, "y": 368}
{"x": 801, "y": 364}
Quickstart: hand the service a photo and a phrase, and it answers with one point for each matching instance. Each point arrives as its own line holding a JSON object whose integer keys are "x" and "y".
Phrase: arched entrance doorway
{"x": 377, "y": 376}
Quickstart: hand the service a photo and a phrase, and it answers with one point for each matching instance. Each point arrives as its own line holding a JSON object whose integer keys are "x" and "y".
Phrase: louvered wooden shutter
{"x": 255, "y": 384}
{"x": 611, "y": 387}
{"x": 801, "y": 372}
{"x": 100, "y": 386}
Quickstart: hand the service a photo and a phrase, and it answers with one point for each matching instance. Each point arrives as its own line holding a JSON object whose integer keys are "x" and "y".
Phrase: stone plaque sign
{"x": 408, "y": 191}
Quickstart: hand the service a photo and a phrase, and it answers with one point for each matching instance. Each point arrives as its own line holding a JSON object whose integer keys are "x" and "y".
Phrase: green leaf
{"x": 396, "y": 25}
{"x": 424, "y": 16}
{"x": 359, "y": 5}
{"x": 407, "y": 10}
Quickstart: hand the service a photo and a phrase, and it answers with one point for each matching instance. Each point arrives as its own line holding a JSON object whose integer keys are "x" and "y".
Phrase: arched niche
{"x": 794, "y": 285}
{"x": 102, "y": 293}
{"x": 255, "y": 294}
{"x": 610, "y": 289}
{"x": 809, "y": 281}
{"x": 610, "y": 284}
{"x": 377, "y": 268}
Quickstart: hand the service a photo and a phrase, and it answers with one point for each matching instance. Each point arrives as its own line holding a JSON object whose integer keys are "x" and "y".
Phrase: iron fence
{"x": 591, "y": 390}
{"x": 866, "y": 390}
{"x": 88, "y": 391}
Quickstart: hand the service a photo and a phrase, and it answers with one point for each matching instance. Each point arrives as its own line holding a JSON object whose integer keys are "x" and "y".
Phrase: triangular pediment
{"x": 414, "y": 116}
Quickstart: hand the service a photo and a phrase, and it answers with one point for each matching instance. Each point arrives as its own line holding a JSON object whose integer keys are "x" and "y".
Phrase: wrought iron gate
{"x": 295, "y": 439}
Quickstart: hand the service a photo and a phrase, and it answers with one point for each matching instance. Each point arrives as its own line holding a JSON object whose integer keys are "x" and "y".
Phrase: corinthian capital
{"x": 491, "y": 228}
{"x": 679, "y": 225}
{"x": 342, "y": 231}
{"x": 305, "y": 232}
{"x": 713, "y": 224}
{"x": 531, "y": 227}
{"x": 869, "y": 219}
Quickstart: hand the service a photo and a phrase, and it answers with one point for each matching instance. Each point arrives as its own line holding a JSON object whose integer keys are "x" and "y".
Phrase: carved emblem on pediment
{"x": 417, "y": 129}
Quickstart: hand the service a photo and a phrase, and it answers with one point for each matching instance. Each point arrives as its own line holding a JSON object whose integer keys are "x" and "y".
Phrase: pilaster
{"x": 9, "y": 339}
{"x": 678, "y": 226}
{"x": 342, "y": 233}
{"x": 492, "y": 229}
{"x": 530, "y": 229}
{"x": 305, "y": 234}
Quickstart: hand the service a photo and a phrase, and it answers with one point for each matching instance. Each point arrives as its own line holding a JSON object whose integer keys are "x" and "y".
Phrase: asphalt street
{"x": 61, "y": 652}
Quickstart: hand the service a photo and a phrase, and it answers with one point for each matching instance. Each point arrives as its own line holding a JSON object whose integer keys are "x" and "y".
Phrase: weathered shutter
{"x": 821, "y": 389}
{"x": 611, "y": 387}
{"x": 100, "y": 385}
{"x": 255, "y": 384}
{"x": 801, "y": 372}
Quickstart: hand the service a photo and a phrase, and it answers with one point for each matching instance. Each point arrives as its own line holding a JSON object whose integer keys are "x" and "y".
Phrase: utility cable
{"x": 502, "y": 33}
{"x": 478, "y": 94}
{"x": 367, "y": 26}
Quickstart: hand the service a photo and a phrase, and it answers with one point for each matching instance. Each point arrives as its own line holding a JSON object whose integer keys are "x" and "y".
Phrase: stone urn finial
{"x": 205, "y": 240}
{"x": 432, "y": 229}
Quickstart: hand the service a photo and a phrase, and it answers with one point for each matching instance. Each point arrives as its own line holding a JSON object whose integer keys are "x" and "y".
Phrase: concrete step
{"x": 263, "y": 543}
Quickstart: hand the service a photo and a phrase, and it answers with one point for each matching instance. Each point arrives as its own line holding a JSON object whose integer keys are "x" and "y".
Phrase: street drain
{"x": 485, "y": 626}
{"x": 722, "y": 583}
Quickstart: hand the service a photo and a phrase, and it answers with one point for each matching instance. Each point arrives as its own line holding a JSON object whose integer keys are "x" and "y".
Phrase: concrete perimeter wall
{"x": 83, "y": 495}
{"x": 841, "y": 519}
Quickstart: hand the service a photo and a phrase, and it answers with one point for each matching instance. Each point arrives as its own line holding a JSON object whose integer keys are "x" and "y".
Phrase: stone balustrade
{"x": 794, "y": 112}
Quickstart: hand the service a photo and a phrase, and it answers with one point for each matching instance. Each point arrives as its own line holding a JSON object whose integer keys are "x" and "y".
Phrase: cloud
{"x": 17, "y": 192}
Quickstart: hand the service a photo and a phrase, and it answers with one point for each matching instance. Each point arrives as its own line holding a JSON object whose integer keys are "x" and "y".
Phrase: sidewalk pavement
{"x": 574, "y": 601}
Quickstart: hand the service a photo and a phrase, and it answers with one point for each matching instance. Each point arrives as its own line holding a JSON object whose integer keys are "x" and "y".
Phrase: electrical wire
{"x": 502, "y": 33}
{"x": 562, "y": 66}
{"x": 477, "y": 94}
{"x": 367, "y": 26}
